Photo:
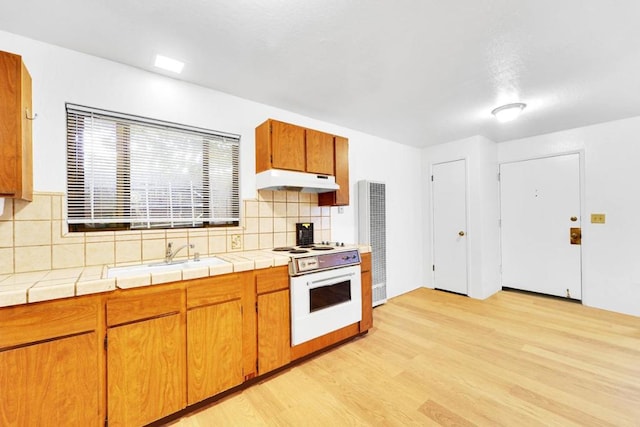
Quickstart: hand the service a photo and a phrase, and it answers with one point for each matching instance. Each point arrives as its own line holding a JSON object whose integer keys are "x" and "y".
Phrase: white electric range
{"x": 325, "y": 288}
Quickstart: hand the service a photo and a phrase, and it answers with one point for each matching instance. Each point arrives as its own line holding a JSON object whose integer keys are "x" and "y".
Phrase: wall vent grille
{"x": 372, "y": 231}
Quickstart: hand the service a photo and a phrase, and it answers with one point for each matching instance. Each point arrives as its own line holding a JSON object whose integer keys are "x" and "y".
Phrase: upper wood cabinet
{"x": 16, "y": 169}
{"x": 341, "y": 172}
{"x": 319, "y": 152}
{"x": 282, "y": 145}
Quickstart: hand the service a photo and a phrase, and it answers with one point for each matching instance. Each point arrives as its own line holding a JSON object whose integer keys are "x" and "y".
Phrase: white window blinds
{"x": 131, "y": 172}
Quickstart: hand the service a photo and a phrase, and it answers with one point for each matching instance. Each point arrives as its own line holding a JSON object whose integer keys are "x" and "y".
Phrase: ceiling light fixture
{"x": 169, "y": 64}
{"x": 508, "y": 112}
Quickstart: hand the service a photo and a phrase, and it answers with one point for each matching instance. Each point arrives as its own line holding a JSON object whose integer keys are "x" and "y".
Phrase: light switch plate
{"x": 597, "y": 218}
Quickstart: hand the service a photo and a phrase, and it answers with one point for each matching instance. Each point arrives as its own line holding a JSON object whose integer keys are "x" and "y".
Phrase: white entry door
{"x": 540, "y": 205}
{"x": 449, "y": 189}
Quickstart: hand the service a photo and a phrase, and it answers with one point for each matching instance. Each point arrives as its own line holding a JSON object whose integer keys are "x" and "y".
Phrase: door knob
{"x": 460, "y": 233}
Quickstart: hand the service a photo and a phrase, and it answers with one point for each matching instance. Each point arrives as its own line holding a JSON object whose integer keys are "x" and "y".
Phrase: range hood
{"x": 278, "y": 179}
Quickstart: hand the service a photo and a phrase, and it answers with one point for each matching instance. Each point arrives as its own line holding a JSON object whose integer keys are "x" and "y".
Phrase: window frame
{"x": 77, "y": 173}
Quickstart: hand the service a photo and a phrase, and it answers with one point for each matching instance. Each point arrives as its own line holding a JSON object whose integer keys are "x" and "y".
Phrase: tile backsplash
{"x": 34, "y": 237}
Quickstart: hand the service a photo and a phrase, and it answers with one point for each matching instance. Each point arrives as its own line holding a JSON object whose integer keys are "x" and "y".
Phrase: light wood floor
{"x": 435, "y": 358}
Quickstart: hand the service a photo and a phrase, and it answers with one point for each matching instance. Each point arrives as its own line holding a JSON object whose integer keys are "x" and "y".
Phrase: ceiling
{"x": 419, "y": 72}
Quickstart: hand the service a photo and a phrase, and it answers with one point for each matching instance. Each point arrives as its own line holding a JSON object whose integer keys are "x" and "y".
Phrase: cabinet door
{"x": 288, "y": 147}
{"x": 214, "y": 349}
{"x": 52, "y": 383}
{"x": 341, "y": 159}
{"x": 15, "y": 128}
{"x": 319, "y": 152}
{"x": 274, "y": 331}
{"x": 367, "y": 297}
{"x": 145, "y": 371}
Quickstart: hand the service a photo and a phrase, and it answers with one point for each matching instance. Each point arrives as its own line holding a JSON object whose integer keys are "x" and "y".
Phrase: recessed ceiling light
{"x": 508, "y": 112}
{"x": 169, "y": 64}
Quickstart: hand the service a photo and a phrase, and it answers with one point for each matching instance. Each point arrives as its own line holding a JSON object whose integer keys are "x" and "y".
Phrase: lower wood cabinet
{"x": 367, "y": 294}
{"x": 273, "y": 318}
{"x": 131, "y": 357}
{"x": 52, "y": 383}
{"x": 51, "y": 364}
{"x": 146, "y": 372}
{"x": 214, "y": 336}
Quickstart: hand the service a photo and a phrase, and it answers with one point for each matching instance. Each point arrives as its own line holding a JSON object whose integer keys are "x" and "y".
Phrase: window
{"x": 128, "y": 172}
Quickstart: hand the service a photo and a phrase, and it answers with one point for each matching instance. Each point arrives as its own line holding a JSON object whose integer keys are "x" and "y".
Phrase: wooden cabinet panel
{"x": 16, "y": 175}
{"x": 214, "y": 349}
{"x": 143, "y": 303}
{"x": 272, "y": 279}
{"x": 145, "y": 371}
{"x": 24, "y": 324}
{"x": 367, "y": 302}
{"x": 213, "y": 290}
{"x": 51, "y": 383}
{"x": 319, "y": 152}
{"x": 365, "y": 262}
{"x": 274, "y": 331}
{"x": 341, "y": 160}
{"x": 288, "y": 146}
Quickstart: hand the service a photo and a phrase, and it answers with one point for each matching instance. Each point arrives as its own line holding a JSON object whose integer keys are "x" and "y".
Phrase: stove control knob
{"x": 342, "y": 244}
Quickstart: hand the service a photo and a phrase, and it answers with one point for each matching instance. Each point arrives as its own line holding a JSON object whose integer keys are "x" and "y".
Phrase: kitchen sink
{"x": 157, "y": 267}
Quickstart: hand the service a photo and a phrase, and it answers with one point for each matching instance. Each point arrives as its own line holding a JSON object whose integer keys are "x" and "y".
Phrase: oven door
{"x": 324, "y": 302}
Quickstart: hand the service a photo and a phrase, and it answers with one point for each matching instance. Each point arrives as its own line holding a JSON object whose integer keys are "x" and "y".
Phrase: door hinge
{"x": 499, "y": 222}
{"x": 498, "y": 176}
{"x": 433, "y": 267}
{"x": 271, "y": 158}
{"x": 257, "y": 367}
{"x": 106, "y": 422}
{"x": 431, "y": 178}
{"x": 256, "y": 306}
{"x": 106, "y": 341}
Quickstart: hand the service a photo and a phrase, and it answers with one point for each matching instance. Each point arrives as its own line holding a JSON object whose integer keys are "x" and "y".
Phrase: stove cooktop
{"x": 321, "y": 256}
{"x": 316, "y": 247}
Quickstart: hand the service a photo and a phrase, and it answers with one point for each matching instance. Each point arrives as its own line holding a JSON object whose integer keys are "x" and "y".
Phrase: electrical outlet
{"x": 597, "y": 218}
{"x": 236, "y": 241}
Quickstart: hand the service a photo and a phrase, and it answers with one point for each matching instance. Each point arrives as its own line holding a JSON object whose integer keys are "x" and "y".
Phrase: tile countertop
{"x": 23, "y": 288}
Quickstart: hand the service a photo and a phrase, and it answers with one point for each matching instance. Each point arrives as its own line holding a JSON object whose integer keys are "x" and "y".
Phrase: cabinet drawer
{"x": 143, "y": 305}
{"x": 213, "y": 290}
{"x": 272, "y": 279}
{"x": 41, "y": 321}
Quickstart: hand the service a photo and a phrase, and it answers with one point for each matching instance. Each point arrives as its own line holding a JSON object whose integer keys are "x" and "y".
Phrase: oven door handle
{"x": 330, "y": 279}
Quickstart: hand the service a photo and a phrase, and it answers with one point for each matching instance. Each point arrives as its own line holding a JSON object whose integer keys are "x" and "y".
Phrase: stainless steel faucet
{"x": 169, "y": 254}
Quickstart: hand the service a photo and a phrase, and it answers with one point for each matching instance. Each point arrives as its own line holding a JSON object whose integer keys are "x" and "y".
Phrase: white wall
{"x": 610, "y": 251}
{"x": 60, "y": 75}
{"x": 399, "y": 167}
{"x": 482, "y": 210}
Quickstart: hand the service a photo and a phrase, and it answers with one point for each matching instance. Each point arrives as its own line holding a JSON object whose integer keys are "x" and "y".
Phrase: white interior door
{"x": 540, "y": 203}
{"x": 449, "y": 189}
